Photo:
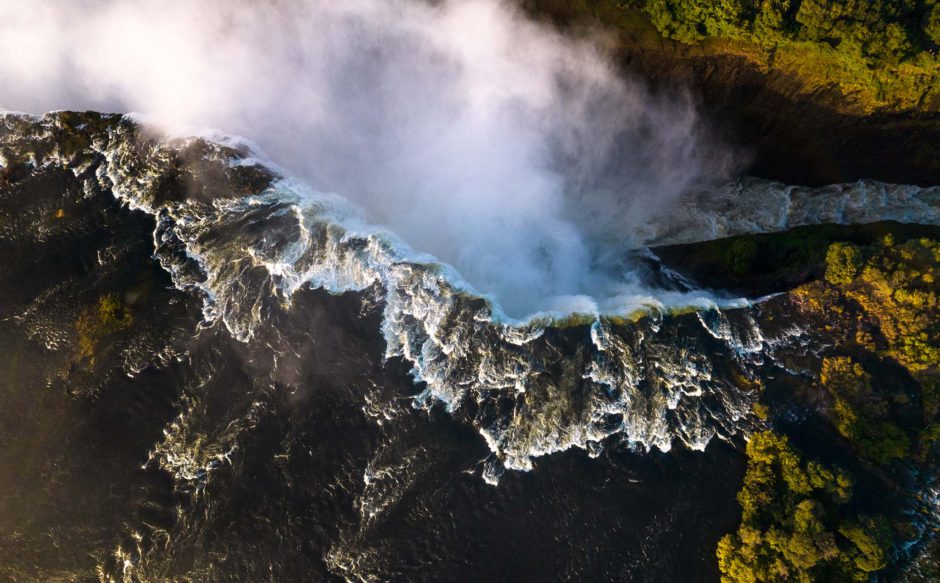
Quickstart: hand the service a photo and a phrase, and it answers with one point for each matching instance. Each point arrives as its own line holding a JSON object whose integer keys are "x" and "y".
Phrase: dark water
{"x": 180, "y": 453}
{"x": 232, "y": 420}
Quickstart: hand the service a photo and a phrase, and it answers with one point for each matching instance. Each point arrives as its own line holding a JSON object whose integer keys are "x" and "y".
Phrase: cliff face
{"x": 793, "y": 129}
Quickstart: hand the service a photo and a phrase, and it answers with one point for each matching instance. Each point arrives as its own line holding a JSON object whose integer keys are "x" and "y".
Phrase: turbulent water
{"x": 297, "y": 377}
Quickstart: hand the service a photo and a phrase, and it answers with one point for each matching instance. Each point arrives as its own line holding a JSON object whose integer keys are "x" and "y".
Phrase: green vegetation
{"x": 878, "y": 31}
{"x": 740, "y": 255}
{"x": 96, "y": 324}
{"x": 876, "y": 298}
{"x": 843, "y": 260}
{"x": 898, "y": 289}
{"x": 771, "y": 262}
{"x": 860, "y": 413}
{"x": 756, "y": 263}
{"x": 873, "y": 290}
{"x": 881, "y": 300}
{"x": 795, "y": 525}
{"x": 882, "y": 52}
{"x": 879, "y": 54}
{"x": 761, "y": 410}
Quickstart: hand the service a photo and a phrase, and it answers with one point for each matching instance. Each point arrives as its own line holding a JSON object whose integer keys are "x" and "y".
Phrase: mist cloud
{"x": 496, "y": 144}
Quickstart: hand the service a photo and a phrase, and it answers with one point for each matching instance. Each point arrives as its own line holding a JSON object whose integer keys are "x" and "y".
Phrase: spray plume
{"x": 501, "y": 147}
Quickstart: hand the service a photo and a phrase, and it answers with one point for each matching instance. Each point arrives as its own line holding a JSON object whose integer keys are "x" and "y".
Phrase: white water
{"x": 653, "y": 382}
{"x": 516, "y": 154}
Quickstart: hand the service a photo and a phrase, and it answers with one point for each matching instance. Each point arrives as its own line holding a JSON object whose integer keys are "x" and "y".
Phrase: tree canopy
{"x": 794, "y": 522}
{"x": 882, "y": 52}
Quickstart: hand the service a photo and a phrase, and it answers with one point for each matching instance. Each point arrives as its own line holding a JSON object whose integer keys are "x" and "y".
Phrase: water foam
{"x": 531, "y": 387}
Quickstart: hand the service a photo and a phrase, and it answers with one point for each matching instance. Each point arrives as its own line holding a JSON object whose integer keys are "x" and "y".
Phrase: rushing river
{"x": 302, "y": 395}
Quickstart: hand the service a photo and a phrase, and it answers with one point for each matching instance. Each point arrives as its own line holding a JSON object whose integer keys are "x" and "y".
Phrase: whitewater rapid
{"x": 678, "y": 366}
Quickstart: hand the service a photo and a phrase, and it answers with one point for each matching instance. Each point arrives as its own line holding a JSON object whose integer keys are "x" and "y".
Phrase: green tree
{"x": 932, "y": 24}
{"x": 843, "y": 261}
{"x": 794, "y": 524}
{"x": 860, "y": 412}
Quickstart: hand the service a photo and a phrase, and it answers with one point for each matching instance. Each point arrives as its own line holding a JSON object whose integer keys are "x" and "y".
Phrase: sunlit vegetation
{"x": 897, "y": 287}
{"x": 876, "y": 299}
{"x": 761, "y": 410}
{"x": 795, "y": 522}
{"x": 873, "y": 290}
{"x": 893, "y": 287}
{"x": 773, "y": 262}
{"x": 96, "y": 324}
{"x": 883, "y": 299}
{"x": 879, "y": 53}
{"x": 843, "y": 260}
{"x": 861, "y": 413}
{"x": 884, "y": 52}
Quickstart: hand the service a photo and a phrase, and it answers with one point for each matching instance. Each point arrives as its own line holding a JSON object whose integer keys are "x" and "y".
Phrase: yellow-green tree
{"x": 843, "y": 260}
{"x": 792, "y": 524}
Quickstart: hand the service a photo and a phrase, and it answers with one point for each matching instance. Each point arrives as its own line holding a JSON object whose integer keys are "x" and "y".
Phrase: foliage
{"x": 96, "y": 324}
{"x": 883, "y": 297}
{"x": 883, "y": 52}
{"x": 794, "y": 523}
{"x": 695, "y": 20}
{"x": 762, "y": 411}
{"x": 879, "y": 54}
{"x": 741, "y": 255}
{"x": 932, "y": 24}
{"x": 843, "y": 260}
{"x": 769, "y": 262}
{"x": 879, "y": 31}
{"x": 898, "y": 288}
{"x": 861, "y": 412}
